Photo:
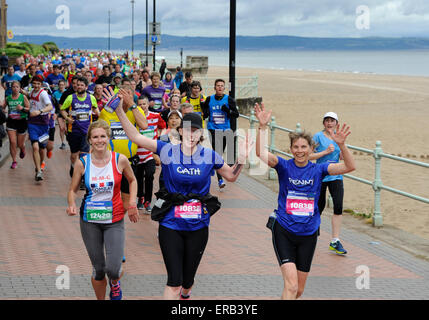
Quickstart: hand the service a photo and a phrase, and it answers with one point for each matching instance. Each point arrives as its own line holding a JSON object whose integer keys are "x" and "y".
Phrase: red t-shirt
{"x": 154, "y": 122}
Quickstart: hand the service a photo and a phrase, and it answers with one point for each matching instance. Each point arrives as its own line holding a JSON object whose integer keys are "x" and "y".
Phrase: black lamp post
{"x": 132, "y": 27}
{"x": 108, "y": 39}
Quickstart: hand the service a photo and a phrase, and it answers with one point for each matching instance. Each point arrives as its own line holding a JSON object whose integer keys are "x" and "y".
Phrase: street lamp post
{"x": 232, "y": 38}
{"x": 132, "y": 27}
{"x": 147, "y": 34}
{"x": 154, "y": 23}
{"x": 108, "y": 41}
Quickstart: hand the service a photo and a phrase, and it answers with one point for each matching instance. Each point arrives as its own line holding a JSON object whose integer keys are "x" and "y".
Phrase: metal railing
{"x": 377, "y": 154}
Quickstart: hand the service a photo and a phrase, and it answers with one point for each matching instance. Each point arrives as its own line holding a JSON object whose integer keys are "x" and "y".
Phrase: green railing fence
{"x": 377, "y": 154}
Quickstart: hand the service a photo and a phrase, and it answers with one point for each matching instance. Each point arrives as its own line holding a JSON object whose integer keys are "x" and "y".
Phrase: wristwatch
{"x": 134, "y": 106}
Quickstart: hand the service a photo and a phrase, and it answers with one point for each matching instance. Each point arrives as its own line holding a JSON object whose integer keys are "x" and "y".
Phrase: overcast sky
{"x": 316, "y": 18}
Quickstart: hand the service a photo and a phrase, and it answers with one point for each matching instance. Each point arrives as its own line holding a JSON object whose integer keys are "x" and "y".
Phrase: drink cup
{"x": 112, "y": 104}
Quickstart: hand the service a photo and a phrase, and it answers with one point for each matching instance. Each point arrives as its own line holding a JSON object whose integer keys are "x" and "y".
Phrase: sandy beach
{"x": 391, "y": 109}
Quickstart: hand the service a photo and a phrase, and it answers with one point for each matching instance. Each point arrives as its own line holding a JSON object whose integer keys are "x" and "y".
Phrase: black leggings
{"x": 336, "y": 190}
{"x": 144, "y": 175}
{"x": 182, "y": 252}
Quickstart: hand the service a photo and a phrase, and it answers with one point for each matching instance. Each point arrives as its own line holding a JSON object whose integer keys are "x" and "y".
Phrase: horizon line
{"x": 223, "y": 37}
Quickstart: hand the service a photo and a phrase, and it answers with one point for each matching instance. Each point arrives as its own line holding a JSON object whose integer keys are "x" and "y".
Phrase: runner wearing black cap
{"x": 184, "y": 207}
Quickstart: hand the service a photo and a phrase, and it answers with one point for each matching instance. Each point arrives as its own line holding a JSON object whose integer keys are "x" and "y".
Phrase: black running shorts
{"x": 290, "y": 247}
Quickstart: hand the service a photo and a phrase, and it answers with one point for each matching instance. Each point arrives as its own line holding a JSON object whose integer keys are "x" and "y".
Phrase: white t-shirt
{"x": 44, "y": 100}
{"x": 20, "y": 73}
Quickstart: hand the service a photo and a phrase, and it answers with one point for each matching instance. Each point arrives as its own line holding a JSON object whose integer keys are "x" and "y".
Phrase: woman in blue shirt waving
{"x": 187, "y": 169}
{"x": 328, "y": 151}
{"x": 298, "y": 219}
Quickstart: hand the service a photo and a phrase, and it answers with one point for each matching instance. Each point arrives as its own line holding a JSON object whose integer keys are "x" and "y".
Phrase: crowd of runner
{"x": 121, "y": 120}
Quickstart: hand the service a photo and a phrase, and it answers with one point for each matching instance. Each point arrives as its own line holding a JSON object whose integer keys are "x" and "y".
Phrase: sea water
{"x": 399, "y": 62}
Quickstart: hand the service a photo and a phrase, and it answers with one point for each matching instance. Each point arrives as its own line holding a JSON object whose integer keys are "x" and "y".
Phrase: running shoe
{"x": 22, "y": 154}
{"x": 140, "y": 205}
{"x": 43, "y": 165}
{"x": 123, "y": 259}
{"x": 221, "y": 184}
{"x": 14, "y": 165}
{"x": 39, "y": 176}
{"x": 49, "y": 154}
{"x": 185, "y": 297}
{"x": 62, "y": 146}
{"x": 115, "y": 291}
{"x": 148, "y": 207}
{"x": 337, "y": 247}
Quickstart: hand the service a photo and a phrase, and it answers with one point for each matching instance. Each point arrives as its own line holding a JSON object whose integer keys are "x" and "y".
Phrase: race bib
{"x": 218, "y": 117}
{"x": 158, "y": 105}
{"x": 112, "y": 104}
{"x": 188, "y": 210}
{"x": 44, "y": 138}
{"x": 15, "y": 114}
{"x": 82, "y": 116}
{"x": 300, "y": 204}
{"x": 118, "y": 133}
{"x": 99, "y": 211}
{"x": 149, "y": 133}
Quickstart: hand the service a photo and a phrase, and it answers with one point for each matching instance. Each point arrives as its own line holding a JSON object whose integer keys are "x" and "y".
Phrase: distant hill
{"x": 243, "y": 43}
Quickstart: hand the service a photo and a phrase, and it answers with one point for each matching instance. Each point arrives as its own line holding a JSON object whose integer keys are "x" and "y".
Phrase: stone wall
{"x": 246, "y": 104}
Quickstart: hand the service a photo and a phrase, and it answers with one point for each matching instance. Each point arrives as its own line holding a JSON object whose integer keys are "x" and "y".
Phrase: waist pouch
{"x": 134, "y": 160}
{"x": 165, "y": 201}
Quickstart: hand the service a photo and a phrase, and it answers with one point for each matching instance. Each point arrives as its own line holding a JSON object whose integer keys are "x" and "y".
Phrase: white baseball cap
{"x": 332, "y": 115}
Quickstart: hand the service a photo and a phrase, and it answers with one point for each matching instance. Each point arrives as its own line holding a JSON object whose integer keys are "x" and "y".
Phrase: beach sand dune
{"x": 386, "y": 108}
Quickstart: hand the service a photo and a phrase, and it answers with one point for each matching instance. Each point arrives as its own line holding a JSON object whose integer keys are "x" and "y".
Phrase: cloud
{"x": 323, "y": 18}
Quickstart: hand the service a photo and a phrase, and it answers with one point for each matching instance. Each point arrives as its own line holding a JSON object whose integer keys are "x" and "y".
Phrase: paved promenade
{"x": 36, "y": 236}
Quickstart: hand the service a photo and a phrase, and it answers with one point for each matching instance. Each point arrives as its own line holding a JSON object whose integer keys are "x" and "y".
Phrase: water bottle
{"x": 112, "y": 104}
{"x": 271, "y": 219}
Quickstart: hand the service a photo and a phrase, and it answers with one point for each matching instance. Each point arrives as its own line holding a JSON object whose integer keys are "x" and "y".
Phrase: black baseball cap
{"x": 194, "y": 119}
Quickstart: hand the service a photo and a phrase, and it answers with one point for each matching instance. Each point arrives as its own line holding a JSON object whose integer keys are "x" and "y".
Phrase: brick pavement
{"x": 36, "y": 236}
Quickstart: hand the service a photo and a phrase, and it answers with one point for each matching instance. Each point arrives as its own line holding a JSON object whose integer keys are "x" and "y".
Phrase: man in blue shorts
{"x": 38, "y": 122}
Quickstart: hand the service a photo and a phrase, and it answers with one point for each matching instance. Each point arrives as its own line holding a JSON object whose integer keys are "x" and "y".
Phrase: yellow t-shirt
{"x": 119, "y": 141}
{"x": 197, "y": 103}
